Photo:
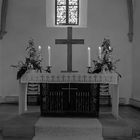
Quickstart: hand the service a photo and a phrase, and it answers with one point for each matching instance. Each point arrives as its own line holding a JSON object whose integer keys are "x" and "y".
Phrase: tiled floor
{"x": 9, "y": 116}
{"x": 132, "y": 117}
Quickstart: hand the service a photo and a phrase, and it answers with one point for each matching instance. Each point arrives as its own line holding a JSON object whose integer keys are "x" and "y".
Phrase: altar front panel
{"x": 69, "y": 99}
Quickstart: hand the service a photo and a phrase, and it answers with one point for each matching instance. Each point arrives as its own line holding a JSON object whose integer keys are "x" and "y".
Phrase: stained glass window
{"x": 67, "y": 12}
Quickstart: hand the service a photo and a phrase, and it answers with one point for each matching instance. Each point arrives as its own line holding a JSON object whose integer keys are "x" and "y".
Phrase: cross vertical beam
{"x": 69, "y": 41}
{"x": 69, "y": 50}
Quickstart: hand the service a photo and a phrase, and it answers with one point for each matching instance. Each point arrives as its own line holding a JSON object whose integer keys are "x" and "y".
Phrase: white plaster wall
{"x": 0, "y": 69}
{"x": 0, "y": 59}
{"x": 27, "y": 18}
{"x": 136, "y": 52}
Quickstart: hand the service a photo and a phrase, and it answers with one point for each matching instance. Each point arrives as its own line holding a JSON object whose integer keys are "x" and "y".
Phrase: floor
{"x": 9, "y": 117}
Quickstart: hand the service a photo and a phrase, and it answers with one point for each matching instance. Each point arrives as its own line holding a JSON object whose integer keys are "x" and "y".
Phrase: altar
{"x": 69, "y": 93}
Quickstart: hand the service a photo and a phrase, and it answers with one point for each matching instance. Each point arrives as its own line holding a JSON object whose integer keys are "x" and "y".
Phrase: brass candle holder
{"x": 48, "y": 69}
{"x": 89, "y": 70}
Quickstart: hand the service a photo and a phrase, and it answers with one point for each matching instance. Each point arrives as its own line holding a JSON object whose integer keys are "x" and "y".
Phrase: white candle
{"x": 100, "y": 52}
{"x": 39, "y": 49}
{"x": 89, "y": 63}
{"x": 49, "y": 56}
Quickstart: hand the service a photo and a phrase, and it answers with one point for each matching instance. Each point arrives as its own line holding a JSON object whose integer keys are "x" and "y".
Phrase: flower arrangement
{"x": 104, "y": 62}
{"x": 32, "y": 61}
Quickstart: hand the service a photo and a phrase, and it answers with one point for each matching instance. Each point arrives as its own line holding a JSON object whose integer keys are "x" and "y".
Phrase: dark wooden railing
{"x": 70, "y": 99}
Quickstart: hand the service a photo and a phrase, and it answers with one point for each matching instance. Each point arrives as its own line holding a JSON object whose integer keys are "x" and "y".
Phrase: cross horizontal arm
{"x": 71, "y": 41}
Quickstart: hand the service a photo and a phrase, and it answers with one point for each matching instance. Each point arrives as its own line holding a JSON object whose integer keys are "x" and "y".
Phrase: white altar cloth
{"x": 111, "y": 78}
{"x": 32, "y": 77}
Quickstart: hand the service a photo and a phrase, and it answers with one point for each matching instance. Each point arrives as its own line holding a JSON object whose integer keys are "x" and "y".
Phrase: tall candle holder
{"x": 48, "y": 69}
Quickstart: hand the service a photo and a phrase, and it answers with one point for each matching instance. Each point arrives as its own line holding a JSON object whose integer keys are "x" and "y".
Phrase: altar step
{"x": 68, "y": 129}
{"x": 46, "y": 137}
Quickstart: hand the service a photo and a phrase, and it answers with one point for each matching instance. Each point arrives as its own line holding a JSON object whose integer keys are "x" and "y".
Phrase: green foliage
{"x": 105, "y": 63}
{"x": 32, "y": 61}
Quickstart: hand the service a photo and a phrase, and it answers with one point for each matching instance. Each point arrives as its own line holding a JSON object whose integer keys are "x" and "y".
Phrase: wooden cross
{"x": 69, "y": 41}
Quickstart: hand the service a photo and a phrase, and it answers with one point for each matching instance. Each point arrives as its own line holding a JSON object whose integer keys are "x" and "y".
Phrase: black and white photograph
{"x": 69, "y": 70}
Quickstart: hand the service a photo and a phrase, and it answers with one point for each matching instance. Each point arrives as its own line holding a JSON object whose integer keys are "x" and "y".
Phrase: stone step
{"x": 46, "y": 137}
{"x": 68, "y": 128}
{"x": 65, "y": 131}
{"x": 112, "y": 127}
{"x": 117, "y": 132}
{"x": 68, "y": 125}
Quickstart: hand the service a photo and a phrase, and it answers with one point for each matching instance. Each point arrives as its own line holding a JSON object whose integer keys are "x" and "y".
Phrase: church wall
{"x": 136, "y": 54}
{"x": 1, "y": 99}
{"x": 27, "y": 18}
{"x": 0, "y": 71}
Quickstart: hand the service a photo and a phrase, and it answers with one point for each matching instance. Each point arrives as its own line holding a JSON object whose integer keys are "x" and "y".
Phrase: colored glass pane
{"x": 73, "y": 14}
{"x": 61, "y": 2}
{"x": 73, "y": 2}
{"x": 61, "y": 14}
{"x": 67, "y": 12}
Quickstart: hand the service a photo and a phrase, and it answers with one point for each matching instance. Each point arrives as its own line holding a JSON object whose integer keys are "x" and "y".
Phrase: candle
{"x": 89, "y": 63}
{"x": 49, "y": 55}
{"x": 109, "y": 48}
{"x": 39, "y": 49}
{"x": 100, "y": 52}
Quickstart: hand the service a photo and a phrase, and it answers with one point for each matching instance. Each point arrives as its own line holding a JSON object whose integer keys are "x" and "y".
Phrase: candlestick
{"x": 89, "y": 70}
{"x": 49, "y": 56}
{"x": 89, "y": 63}
{"x": 100, "y": 52}
{"x": 48, "y": 69}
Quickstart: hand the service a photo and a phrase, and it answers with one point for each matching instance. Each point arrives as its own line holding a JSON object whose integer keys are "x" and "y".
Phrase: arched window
{"x": 67, "y": 12}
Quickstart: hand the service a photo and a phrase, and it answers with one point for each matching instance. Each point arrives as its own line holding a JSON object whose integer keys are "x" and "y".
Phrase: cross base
{"x": 65, "y": 71}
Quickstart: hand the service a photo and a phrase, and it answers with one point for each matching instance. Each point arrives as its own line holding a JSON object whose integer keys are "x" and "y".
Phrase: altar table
{"x": 110, "y": 78}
